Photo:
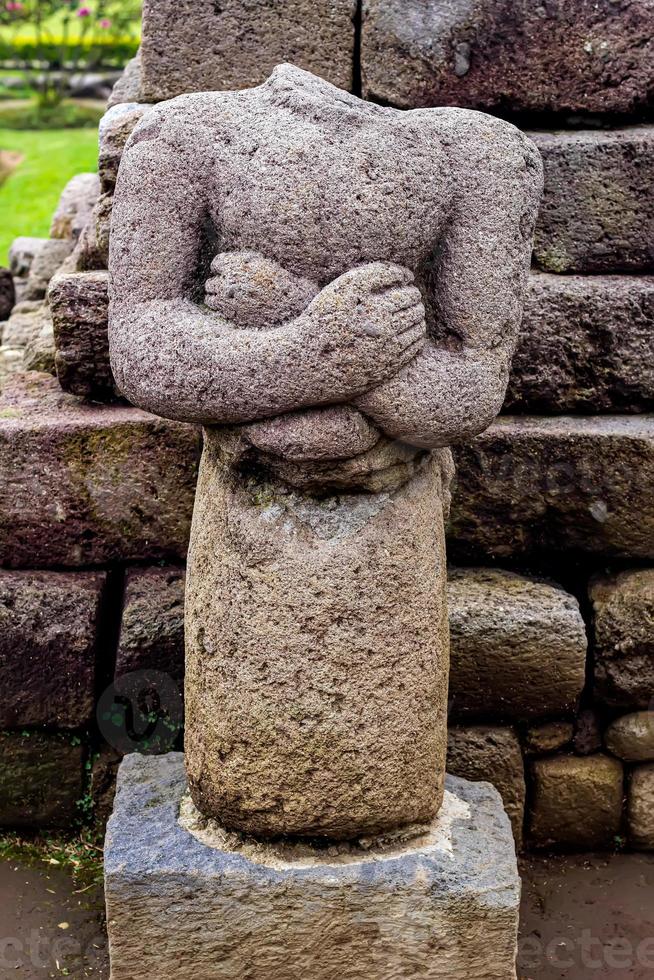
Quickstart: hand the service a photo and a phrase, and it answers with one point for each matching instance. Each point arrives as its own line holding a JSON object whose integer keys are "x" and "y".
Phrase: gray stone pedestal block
{"x": 187, "y": 900}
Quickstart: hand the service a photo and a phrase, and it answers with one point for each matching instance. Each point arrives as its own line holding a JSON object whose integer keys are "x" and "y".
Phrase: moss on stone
{"x": 554, "y": 259}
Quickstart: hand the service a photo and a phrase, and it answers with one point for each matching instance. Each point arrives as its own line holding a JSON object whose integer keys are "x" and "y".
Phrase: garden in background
{"x": 58, "y": 60}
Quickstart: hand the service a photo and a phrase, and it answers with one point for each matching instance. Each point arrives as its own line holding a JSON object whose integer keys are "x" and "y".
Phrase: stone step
{"x": 517, "y": 646}
{"x": 191, "y": 46}
{"x": 597, "y": 212}
{"x": 79, "y": 305}
{"x": 152, "y": 623}
{"x": 586, "y": 344}
{"x": 40, "y": 779}
{"x": 576, "y": 802}
{"x": 492, "y": 754}
{"x": 623, "y": 638}
{"x": 48, "y": 647}
{"x": 546, "y": 485}
{"x": 88, "y": 484}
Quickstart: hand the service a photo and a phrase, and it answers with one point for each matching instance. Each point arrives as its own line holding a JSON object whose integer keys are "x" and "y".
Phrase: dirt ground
{"x": 48, "y": 928}
{"x": 588, "y": 917}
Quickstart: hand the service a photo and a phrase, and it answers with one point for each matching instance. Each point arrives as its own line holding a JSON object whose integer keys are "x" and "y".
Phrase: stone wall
{"x": 552, "y": 532}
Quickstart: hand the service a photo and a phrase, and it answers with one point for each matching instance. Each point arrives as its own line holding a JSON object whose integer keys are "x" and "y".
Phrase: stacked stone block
{"x": 553, "y": 514}
{"x": 88, "y": 489}
{"x": 509, "y": 56}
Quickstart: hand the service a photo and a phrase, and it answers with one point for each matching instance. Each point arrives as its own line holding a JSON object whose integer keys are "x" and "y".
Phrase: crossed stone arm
{"x": 173, "y": 356}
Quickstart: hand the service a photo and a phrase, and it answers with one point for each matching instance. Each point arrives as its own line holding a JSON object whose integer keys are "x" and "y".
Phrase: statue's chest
{"x": 319, "y": 203}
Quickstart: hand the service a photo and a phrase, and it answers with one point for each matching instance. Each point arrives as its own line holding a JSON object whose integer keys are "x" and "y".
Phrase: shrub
{"x": 57, "y": 37}
{"x": 101, "y": 53}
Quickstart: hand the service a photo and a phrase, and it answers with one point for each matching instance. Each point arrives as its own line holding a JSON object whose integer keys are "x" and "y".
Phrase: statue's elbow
{"x": 131, "y": 369}
{"x": 476, "y": 390}
{"x": 126, "y": 379}
{"x": 485, "y": 406}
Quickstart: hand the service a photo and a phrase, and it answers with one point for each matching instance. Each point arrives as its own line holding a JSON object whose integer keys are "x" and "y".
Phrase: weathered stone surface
{"x": 197, "y": 45}
{"x": 290, "y": 621}
{"x": 551, "y": 736}
{"x": 47, "y": 260}
{"x": 518, "y": 646}
{"x": 18, "y": 334}
{"x": 92, "y": 250}
{"x": 104, "y": 769}
{"x": 79, "y": 306}
{"x": 24, "y": 325}
{"x": 458, "y": 882}
{"x": 40, "y": 780}
{"x": 118, "y": 484}
{"x": 20, "y": 285}
{"x": 577, "y": 802}
{"x": 510, "y": 55}
{"x": 48, "y": 646}
{"x": 640, "y": 808}
{"x": 75, "y": 205}
{"x": 623, "y": 637}
{"x": 115, "y": 128}
{"x": 11, "y": 362}
{"x": 383, "y": 468}
{"x": 128, "y": 86}
{"x": 152, "y": 626}
{"x": 631, "y": 737}
{"x": 99, "y": 230}
{"x": 21, "y": 254}
{"x": 597, "y": 212}
{"x": 492, "y": 754}
{"x": 40, "y": 351}
{"x": 586, "y": 345}
{"x": 28, "y": 305}
{"x": 7, "y": 293}
{"x": 533, "y": 484}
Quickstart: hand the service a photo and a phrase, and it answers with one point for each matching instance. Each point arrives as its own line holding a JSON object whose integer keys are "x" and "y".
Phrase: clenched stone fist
{"x": 254, "y": 292}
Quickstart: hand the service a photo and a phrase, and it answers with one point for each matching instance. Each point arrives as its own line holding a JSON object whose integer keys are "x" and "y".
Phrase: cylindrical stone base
{"x": 317, "y": 654}
{"x": 194, "y": 903}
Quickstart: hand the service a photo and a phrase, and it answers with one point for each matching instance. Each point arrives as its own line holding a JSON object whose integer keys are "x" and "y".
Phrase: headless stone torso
{"x": 317, "y": 694}
{"x": 316, "y": 633}
{"x": 306, "y": 180}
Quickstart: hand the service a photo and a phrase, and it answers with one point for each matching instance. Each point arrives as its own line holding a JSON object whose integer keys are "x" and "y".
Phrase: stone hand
{"x": 254, "y": 292}
{"x": 365, "y": 326}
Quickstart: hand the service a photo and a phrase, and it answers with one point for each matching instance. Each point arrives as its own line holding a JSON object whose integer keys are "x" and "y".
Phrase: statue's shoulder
{"x": 479, "y": 139}
{"x": 188, "y": 118}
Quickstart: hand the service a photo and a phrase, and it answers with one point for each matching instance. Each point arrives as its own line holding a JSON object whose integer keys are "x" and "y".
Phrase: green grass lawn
{"x": 29, "y": 196}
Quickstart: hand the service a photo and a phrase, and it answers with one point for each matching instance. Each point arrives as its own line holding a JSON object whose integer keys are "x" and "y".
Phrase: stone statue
{"x": 333, "y": 290}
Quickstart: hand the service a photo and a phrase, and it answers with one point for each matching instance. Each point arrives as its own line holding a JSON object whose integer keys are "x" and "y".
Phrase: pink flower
{"x": 84, "y": 12}
{"x": 105, "y": 23}
{"x": 14, "y": 5}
